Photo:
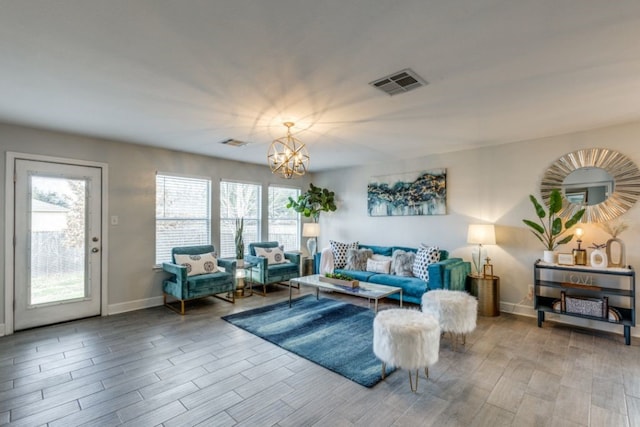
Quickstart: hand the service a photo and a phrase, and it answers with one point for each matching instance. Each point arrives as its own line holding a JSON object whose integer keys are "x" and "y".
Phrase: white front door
{"x": 58, "y": 238}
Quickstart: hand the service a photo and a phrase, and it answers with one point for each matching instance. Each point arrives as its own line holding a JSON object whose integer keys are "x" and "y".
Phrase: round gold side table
{"x": 487, "y": 290}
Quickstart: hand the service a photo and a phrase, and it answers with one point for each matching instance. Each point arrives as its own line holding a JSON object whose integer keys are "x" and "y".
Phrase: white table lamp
{"x": 312, "y": 231}
{"x": 480, "y": 234}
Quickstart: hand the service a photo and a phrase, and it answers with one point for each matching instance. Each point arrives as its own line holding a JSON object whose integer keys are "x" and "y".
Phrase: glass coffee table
{"x": 370, "y": 291}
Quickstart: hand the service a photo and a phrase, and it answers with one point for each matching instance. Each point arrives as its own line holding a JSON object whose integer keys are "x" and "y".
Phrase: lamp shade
{"x": 310, "y": 229}
{"x": 481, "y": 234}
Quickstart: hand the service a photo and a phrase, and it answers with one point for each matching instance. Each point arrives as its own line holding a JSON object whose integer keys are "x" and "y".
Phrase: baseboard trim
{"x": 528, "y": 311}
{"x": 139, "y": 304}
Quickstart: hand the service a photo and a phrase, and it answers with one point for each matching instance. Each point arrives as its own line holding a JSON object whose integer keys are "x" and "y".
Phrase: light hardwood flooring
{"x": 154, "y": 367}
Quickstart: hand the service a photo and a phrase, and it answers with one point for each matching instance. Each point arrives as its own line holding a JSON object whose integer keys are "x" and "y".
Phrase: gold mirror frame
{"x": 626, "y": 178}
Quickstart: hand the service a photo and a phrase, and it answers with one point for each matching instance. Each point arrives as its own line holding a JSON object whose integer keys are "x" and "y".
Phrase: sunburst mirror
{"x": 604, "y": 182}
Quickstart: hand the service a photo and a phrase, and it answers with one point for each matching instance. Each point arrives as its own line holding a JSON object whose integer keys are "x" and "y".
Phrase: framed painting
{"x": 416, "y": 193}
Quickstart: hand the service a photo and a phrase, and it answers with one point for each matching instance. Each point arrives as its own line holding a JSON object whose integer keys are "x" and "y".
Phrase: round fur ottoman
{"x": 457, "y": 311}
{"x": 407, "y": 339}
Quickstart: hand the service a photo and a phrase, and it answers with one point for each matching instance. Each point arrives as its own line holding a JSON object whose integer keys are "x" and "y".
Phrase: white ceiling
{"x": 188, "y": 74}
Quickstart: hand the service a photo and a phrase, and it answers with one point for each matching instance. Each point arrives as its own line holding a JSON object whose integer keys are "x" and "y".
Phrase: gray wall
{"x": 483, "y": 185}
{"x": 132, "y": 170}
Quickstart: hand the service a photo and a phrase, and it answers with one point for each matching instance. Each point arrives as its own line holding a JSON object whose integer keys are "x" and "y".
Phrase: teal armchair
{"x": 183, "y": 287}
{"x": 263, "y": 273}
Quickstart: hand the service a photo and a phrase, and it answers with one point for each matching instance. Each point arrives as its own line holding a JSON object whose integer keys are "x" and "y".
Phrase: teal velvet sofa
{"x": 183, "y": 287}
{"x": 263, "y": 273}
{"x": 448, "y": 273}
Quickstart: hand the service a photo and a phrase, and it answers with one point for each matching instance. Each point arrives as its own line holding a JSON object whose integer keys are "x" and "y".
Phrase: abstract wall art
{"x": 417, "y": 193}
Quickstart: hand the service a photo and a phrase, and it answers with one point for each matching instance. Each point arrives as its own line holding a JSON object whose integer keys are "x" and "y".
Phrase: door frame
{"x": 9, "y": 258}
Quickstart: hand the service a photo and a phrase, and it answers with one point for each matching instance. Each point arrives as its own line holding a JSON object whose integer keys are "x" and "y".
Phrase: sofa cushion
{"x": 379, "y": 265}
{"x": 402, "y": 263}
{"x": 357, "y": 259}
{"x": 379, "y": 250}
{"x": 411, "y": 286}
{"x": 198, "y": 263}
{"x": 362, "y": 276}
{"x": 424, "y": 257}
{"x": 273, "y": 255}
{"x": 339, "y": 251}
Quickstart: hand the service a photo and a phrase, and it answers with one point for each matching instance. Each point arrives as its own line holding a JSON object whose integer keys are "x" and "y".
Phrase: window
{"x": 239, "y": 200}
{"x": 183, "y": 214}
{"x": 284, "y": 223}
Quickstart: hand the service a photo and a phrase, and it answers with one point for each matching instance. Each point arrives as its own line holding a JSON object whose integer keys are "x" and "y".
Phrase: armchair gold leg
{"x": 168, "y": 305}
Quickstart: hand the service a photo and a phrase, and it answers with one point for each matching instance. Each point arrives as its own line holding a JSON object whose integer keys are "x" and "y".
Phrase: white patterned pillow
{"x": 198, "y": 264}
{"x": 339, "y": 250}
{"x": 424, "y": 257}
{"x": 402, "y": 263}
{"x": 379, "y": 266}
{"x": 273, "y": 255}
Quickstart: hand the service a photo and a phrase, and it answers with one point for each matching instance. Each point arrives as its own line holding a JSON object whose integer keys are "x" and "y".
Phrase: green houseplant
{"x": 549, "y": 229}
{"x": 313, "y": 201}
{"x": 239, "y": 239}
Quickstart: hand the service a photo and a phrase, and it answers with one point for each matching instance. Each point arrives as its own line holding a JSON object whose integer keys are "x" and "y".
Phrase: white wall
{"x": 483, "y": 185}
{"x": 132, "y": 168}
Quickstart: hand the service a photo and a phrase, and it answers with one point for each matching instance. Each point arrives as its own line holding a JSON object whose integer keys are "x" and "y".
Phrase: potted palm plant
{"x": 549, "y": 229}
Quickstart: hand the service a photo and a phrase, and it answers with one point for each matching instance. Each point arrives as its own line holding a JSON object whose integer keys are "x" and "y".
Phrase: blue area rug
{"x": 333, "y": 334}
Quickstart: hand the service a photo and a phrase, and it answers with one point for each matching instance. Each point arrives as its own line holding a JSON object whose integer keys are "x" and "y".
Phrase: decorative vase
{"x": 598, "y": 258}
{"x": 549, "y": 257}
{"x": 611, "y": 244}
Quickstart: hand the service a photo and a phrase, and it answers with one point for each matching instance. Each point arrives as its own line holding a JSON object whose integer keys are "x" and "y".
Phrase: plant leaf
{"x": 574, "y": 219}
{"x": 556, "y": 227}
{"x": 555, "y": 202}
{"x": 566, "y": 239}
{"x": 539, "y": 210}
{"x": 537, "y": 227}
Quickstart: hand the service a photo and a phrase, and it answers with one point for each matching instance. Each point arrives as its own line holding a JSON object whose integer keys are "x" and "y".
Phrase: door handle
{"x": 94, "y": 250}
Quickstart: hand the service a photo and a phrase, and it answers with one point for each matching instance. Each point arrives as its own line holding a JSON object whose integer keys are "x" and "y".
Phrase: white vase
{"x": 549, "y": 257}
{"x": 599, "y": 259}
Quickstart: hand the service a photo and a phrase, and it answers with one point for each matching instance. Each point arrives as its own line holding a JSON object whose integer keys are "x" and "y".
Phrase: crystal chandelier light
{"x": 288, "y": 156}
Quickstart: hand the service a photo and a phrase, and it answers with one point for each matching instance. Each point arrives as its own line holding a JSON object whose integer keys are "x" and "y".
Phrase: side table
{"x": 244, "y": 285}
{"x": 307, "y": 266}
{"x": 487, "y": 290}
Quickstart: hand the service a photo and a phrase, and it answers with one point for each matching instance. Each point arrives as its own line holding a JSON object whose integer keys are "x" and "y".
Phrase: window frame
{"x": 222, "y": 246}
{"x": 207, "y": 219}
{"x": 297, "y": 218}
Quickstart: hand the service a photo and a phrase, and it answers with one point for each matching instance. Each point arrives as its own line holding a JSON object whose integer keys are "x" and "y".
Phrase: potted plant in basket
{"x": 551, "y": 231}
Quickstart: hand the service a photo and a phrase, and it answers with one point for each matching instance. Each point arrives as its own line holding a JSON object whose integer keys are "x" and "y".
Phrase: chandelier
{"x": 288, "y": 156}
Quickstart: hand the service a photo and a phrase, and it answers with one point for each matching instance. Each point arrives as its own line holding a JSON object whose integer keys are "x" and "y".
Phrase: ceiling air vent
{"x": 234, "y": 142}
{"x": 400, "y": 82}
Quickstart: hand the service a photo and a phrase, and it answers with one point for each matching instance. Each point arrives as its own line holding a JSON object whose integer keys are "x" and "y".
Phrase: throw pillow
{"x": 198, "y": 264}
{"x": 357, "y": 259}
{"x": 379, "y": 257}
{"x": 402, "y": 263}
{"x": 424, "y": 257}
{"x": 379, "y": 266}
{"x": 273, "y": 255}
{"x": 339, "y": 250}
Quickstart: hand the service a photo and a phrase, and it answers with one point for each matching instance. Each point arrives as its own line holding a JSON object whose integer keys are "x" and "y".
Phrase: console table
{"x": 612, "y": 288}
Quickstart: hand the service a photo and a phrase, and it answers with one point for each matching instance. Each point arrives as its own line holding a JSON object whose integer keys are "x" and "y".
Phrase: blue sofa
{"x": 449, "y": 273}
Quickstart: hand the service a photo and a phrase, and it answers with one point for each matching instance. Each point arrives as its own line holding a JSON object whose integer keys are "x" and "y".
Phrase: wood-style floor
{"x": 154, "y": 367}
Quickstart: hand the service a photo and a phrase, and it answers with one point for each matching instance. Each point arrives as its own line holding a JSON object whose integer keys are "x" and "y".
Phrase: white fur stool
{"x": 457, "y": 311}
{"x": 407, "y": 339}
